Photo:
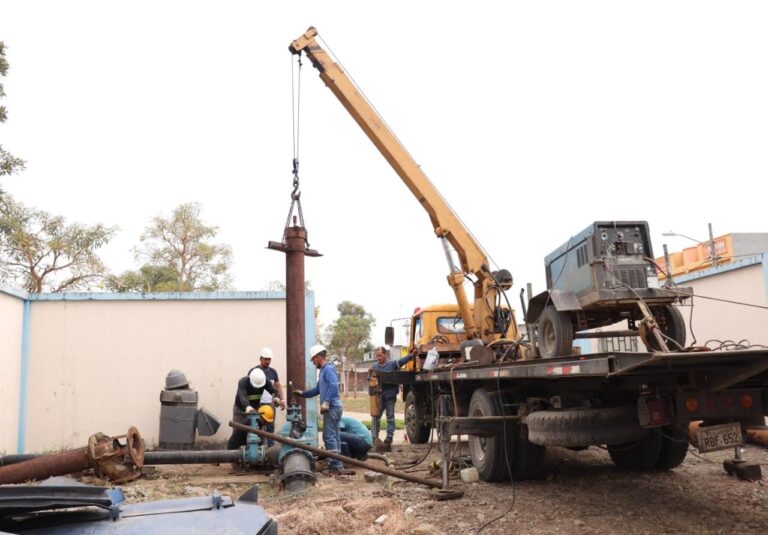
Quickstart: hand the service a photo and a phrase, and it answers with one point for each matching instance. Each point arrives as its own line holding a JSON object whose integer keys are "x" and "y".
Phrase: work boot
{"x": 388, "y": 444}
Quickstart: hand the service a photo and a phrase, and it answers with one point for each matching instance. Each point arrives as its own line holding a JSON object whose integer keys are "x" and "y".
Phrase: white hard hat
{"x": 315, "y": 349}
{"x": 266, "y": 353}
{"x": 258, "y": 379}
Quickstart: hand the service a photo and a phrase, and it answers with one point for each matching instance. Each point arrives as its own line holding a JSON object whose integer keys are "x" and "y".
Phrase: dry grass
{"x": 331, "y": 514}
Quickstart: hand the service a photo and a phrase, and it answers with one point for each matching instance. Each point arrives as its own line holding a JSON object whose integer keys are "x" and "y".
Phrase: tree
{"x": 148, "y": 278}
{"x": 349, "y": 336}
{"x": 41, "y": 252}
{"x": 182, "y": 245}
{"x": 9, "y": 163}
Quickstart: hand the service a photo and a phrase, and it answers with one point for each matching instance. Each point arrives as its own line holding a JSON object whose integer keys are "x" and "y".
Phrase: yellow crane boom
{"x": 482, "y": 320}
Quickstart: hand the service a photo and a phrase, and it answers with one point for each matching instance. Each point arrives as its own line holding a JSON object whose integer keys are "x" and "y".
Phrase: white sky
{"x": 533, "y": 119}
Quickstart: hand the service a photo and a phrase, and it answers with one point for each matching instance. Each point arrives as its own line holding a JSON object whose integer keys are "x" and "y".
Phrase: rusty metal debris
{"x": 117, "y": 458}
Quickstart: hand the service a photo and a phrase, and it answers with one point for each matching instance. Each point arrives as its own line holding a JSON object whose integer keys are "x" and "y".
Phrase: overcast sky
{"x": 533, "y": 119}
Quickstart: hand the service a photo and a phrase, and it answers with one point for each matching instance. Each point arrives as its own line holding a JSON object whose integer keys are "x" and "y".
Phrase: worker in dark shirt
{"x": 265, "y": 359}
{"x": 248, "y": 399}
{"x": 388, "y": 393}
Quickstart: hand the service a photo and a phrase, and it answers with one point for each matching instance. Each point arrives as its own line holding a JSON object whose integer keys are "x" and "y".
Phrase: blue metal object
{"x": 254, "y": 451}
{"x": 295, "y": 428}
{"x": 21, "y": 439}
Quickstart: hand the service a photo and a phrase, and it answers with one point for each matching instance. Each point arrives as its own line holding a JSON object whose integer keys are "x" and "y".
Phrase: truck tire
{"x": 639, "y": 456}
{"x": 674, "y": 448}
{"x": 418, "y": 432}
{"x": 672, "y": 325}
{"x": 525, "y": 457}
{"x": 584, "y": 427}
{"x": 554, "y": 333}
{"x": 489, "y": 454}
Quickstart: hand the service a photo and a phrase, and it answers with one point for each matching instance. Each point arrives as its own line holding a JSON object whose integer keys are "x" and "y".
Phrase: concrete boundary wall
{"x": 97, "y": 361}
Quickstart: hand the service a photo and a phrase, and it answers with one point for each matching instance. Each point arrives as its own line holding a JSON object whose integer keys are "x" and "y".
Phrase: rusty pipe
{"x": 331, "y": 455}
{"x": 106, "y": 455}
{"x": 46, "y": 466}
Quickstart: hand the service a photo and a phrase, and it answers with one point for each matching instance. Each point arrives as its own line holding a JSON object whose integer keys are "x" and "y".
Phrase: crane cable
{"x": 295, "y": 116}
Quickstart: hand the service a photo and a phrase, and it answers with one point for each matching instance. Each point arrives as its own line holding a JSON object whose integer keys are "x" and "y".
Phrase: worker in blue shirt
{"x": 388, "y": 393}
{"x": 355, "y": 438}
{"x": 330, "y": 404}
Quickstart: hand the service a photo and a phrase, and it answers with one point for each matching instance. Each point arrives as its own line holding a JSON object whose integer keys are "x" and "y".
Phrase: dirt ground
{"x": 582, "y": 493}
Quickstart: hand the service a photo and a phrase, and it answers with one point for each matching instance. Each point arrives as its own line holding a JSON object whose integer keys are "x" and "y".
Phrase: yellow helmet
{"x": 268, "y": 413}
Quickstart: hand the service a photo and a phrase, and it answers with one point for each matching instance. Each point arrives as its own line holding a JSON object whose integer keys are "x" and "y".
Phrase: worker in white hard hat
{"x": 248, "y": 399}
{"x": 330, "y": 403}
{"x": 265, "y": 359}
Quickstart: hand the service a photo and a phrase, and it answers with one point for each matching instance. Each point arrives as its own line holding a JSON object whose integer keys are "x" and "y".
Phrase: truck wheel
{"x": 488, "y": 454}
{"x": 639, "y": 456}
{"x": 584, "y": 427}
{"x": 674, "y": 448}
{"x": 672, "y": 324}
{"x": 525, "y": 457}
{"x": 555, "y": 333}
{"x": 418, "y": 432}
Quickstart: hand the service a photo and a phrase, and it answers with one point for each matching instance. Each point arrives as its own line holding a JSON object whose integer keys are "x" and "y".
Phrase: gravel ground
{"x": 582, "y": 493}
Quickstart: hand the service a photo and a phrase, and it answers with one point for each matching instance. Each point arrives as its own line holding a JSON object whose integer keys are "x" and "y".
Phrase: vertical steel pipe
{"x": 294, "y": 245}
{"x": 295, "y": 240}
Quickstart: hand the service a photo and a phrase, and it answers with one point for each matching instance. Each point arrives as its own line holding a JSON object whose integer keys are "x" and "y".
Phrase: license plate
{"x": 719, "y": 437}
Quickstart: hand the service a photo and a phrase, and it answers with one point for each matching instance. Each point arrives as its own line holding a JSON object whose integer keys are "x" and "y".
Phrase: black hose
{"x": 192, "y": 457}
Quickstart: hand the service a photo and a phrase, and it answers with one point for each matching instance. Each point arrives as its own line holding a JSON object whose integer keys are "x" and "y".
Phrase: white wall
{"x": 11, "y": 314}
{"x": 725, "y": 321}
{"x": 100, "y": 365}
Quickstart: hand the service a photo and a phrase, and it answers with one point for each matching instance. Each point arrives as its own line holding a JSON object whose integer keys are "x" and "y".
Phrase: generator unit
{"x": 597, "y": 278}
{"x": 605, "y": 261}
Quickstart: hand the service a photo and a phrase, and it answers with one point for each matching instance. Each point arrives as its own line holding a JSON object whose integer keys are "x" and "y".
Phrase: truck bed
{"x": 713, "y": 370}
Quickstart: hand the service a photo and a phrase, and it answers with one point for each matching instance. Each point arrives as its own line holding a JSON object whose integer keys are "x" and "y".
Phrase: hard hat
{"x": 258, "y": 379}
{"x": 268, "y": 413}
{"x": 266, "y": 353}
{"x": 315, "y": 349}
{"x": 175, "y": 379}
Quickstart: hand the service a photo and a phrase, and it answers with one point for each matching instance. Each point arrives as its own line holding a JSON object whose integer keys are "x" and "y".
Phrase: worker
{"x": 355, "y": 438}
{"x": 265, "y": 359}
{"x": 248, "y": 399}
{"x": 389, "y": 393}
{"x": 330, "y": 404}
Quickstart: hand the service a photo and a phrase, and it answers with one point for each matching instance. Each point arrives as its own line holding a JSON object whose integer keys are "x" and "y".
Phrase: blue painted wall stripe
{"x": 764, "y": 257}
{"x": 21, "y": 439}
{"x": 160, "y": 296}
{"x": 730, "y": 266}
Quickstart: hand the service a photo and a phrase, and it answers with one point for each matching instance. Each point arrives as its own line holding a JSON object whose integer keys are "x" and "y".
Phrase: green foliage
{"x": 9, "y": 163}
{"x": 182, "y": 245}
{"x": 147, "y": 279}
{"x": 349, "y": 336}
{"x": 42, "y": 252}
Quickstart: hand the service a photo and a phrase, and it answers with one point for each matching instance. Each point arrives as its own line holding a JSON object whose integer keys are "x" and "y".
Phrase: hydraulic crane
{"x": 485, "y": 319}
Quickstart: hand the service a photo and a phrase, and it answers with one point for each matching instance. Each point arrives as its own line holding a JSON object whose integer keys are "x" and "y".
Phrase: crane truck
{"x": 492, "y": 384}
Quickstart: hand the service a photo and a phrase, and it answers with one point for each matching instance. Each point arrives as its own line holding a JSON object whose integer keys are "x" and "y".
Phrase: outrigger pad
{"x": 743, "y": 470}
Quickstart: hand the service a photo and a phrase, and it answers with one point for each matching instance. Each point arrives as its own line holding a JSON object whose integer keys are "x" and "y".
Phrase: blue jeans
{"x": 331, "y": 435}
{"x": 389, "y": 405}
{"x": 353, "y": 445}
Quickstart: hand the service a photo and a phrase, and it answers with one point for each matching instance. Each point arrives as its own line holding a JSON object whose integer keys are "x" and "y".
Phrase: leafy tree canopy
{"x": 42, "y": 252}
{"x": 178, "y": 254}
{"x": 9, "y": 163}
{"x": 147, "y": 279}
{"x": 349, "y": 336}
